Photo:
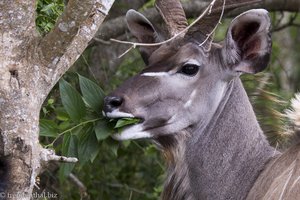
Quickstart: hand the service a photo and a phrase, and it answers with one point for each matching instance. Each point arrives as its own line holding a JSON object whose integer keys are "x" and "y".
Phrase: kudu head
{"x": 185, "y": 79}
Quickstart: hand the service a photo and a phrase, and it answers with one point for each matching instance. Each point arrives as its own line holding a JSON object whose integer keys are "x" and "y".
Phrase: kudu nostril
{"x": 111, "y": 103}
{"x": 116, "y": 101}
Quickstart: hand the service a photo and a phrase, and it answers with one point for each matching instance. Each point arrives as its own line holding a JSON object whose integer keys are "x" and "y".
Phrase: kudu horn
{"x": 173, "y": 15}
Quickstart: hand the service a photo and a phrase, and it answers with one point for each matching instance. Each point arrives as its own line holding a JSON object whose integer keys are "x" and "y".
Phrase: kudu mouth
{"x": 121, "y": 115}
{"x": 116, "y": 114}
{"x": 143, "y": 129}
{"x": 131, "y": 131}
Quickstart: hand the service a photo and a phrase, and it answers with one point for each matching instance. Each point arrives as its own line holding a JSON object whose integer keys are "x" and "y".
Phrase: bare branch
{"x": 135, "y": 44}
{"x": 48, "y": 155}
{"x": 291, "y": 22}
{"x": 63, "y": 45}
{"x": 270, "y": 5}
{"x": 125, "y": 52}
{"x": 216, "y": 26}
{"x": 208, "y": 10}
{"x": 78, "y": 183}
{"x": 115, "y": 27}
{"x": 102, "y": 41}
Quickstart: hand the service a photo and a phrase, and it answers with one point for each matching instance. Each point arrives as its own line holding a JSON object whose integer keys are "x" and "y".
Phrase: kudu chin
{"x": 192, "y": 104}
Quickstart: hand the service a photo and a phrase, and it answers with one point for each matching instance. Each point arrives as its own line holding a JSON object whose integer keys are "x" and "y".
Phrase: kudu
{"x": 193, "y": 106}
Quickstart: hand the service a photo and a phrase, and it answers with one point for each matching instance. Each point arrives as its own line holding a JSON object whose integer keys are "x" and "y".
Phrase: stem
{"x": 70, "y": 129}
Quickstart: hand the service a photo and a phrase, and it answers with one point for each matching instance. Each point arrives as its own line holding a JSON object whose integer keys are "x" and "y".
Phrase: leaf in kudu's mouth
{"x": 121, "y": 123}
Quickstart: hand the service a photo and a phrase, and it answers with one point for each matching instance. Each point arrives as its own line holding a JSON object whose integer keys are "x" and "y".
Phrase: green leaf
{"x": 126, "y": 143}
{"x": 150, "y": 150}
{"x": 48, "y": 7}
{"x": 126, "y": 121}
{"x": 64, "y": 125}
{"x": 50, "y": 101}
{"x": 69, "y": 149}
{"x": 113, "y": 146}
{"x": 77, "y": 131}
{"x": 92, "y": 93}
{"x": 61, "y": 114}
{"x": 102, "y": 130}
{"x": 94, "y": 153}
{"x": 72, "y": 101}
{"x": 45, "y": 111}
{"x": 48, "y": 128}
{"x": 88, "y": 146}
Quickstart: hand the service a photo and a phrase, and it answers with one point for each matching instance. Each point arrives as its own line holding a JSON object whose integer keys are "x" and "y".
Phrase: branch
{"x": 115, "y": 27}
{"x": 78, "y": 183}
{"x": 291, "y": 22}
{"x": 48, "y": 155}
{"x": 135, "y": 44}
{"x": 216, "y": 26}
{"x": 270, "y": 5}
{"x": 63, "y": 45}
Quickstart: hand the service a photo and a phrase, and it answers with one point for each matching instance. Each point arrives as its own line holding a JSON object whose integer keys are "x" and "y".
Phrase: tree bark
{"x": 30, "y": 66}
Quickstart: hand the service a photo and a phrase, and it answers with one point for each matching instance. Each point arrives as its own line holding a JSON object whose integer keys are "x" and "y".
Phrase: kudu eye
{"x": 189, "y": 69}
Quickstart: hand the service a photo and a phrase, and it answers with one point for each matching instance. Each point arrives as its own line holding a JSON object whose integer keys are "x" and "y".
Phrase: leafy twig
{"x": 70, "y": 129}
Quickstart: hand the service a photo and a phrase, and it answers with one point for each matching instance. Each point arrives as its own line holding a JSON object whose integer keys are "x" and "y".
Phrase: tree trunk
{"x": 30, "y": 66}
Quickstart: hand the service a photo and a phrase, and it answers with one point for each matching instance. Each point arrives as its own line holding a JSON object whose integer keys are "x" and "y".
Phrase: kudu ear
{"x": 143, "y": 30}
{"x": 248, "y": 42}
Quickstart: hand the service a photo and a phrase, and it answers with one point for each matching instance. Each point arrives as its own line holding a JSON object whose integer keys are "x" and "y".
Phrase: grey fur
{"x": 225, "y": 160}
{"x": 221, "y": 160}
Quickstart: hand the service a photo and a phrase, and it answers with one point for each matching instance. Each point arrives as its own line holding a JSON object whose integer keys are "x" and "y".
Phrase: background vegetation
{"x": 71, "y": 121}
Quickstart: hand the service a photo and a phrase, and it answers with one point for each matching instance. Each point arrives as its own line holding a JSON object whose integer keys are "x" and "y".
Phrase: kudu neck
{"x": 223, "y": 160}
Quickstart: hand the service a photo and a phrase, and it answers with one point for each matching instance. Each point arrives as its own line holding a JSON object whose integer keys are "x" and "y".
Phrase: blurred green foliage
{"x": 47, "y": 13}
{"x": 71, "y": 123}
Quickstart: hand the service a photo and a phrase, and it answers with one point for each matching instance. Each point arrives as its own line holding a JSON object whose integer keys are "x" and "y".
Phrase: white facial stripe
{"x": 117, "y": 114}
{"x": 191, "y": 99}
{"x": 187, "y": 104}
{"x": 172, "y": 119}
{"x": 159, "y": 74}
{"x": 132, "y": 132}
{"x": 155, "y": 74}
{"x": 219, "y": 94}
{"x": 192, "y": 61}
